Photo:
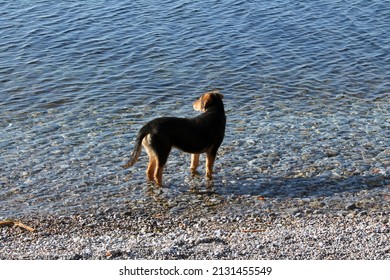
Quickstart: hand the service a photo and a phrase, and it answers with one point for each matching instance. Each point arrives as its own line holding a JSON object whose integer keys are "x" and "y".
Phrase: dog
{"x": 201, "y": 134}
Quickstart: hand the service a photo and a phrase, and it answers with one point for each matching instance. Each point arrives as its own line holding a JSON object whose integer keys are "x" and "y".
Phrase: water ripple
{"x": 306, "y": 86}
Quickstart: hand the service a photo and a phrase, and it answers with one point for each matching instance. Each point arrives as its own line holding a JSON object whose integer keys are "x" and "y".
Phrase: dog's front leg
{"x": 210, "y": 159}
{"x": 194, "y": 163}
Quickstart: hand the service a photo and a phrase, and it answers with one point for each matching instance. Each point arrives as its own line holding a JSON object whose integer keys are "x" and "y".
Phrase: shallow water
{"x": 306, "y": 94}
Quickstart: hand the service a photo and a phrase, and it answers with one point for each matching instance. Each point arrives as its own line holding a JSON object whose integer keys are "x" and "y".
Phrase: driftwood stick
{"x": 6, "y": 223}
{"x": 16, "y": 223}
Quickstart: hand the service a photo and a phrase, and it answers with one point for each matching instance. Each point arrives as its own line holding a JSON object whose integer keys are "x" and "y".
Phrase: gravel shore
{"x": 271, "y": 229}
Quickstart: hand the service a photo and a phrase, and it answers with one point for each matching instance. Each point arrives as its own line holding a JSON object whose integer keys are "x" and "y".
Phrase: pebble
{"x": 207, "y": 234}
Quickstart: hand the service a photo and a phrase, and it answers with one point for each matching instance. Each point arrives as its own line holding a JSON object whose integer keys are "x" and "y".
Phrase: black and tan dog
{"x": 201, "y": 134}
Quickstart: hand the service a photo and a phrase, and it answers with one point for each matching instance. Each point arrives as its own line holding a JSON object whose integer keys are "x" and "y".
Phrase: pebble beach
{"x": 292, "y": 230}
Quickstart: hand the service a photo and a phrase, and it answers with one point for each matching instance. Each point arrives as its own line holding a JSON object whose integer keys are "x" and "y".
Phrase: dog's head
{"x": 207, "y": 100}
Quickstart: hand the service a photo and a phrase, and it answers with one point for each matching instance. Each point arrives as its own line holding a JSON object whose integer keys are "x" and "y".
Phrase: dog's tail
{"x": 138, "y": 147}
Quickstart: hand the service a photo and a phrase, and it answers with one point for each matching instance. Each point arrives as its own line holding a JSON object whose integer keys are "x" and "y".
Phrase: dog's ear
{"x": 206, "y": 101}
{"x": 216, "y": 93}
{"x": 220, "y": 95}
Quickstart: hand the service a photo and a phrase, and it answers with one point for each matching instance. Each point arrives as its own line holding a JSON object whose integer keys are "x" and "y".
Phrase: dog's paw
{"x": 194, "y": 173}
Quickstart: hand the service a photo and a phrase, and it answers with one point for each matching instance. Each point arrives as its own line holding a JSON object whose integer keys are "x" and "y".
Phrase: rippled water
{"x": 306, "y": 87}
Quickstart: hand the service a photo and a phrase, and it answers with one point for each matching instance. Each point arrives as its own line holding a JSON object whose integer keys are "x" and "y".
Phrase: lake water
{"x": 306, "y": 87}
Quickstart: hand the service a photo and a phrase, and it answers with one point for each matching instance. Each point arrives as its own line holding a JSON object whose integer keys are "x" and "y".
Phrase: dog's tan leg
{"x": 158, "y": 175}
{"x": 194, "y": 163}
{"x": 151, "y": 168}
{"x": 150, "y": 171}
{"x": 210, "y": 158}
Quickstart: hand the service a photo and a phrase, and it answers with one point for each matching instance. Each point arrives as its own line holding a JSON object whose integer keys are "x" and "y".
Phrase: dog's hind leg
{"x": 151, "y": 168}
{"x": 150, "y": 171}
{"x": 161, "y": 151}
{"x": 158, "y": 175}
{"x": 161, "y": 161}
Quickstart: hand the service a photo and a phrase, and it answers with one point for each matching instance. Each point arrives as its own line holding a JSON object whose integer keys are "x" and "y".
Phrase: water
{"x": 306, "y": 89}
